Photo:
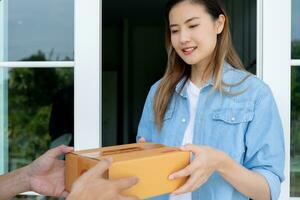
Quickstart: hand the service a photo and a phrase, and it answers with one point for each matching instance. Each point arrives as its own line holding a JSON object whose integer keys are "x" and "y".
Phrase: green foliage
{"x": 296, "y": 49}
{"x": 295, "y": 112}
{"x": 30, "y": 94}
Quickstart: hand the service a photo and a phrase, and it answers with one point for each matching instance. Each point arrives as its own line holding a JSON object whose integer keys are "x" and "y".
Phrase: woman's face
{"x": 193, "y": 32}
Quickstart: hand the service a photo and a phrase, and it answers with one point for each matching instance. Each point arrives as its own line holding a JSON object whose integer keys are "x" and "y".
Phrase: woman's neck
{"x": 199, "y": 73}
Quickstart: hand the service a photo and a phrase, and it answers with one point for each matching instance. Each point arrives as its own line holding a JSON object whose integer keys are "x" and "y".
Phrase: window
{"x": 29, "y": 94}
{"x": 49, "y": 83}
{"x": 295, "y": 29}
{"x": 40, "y": 112}
{"x": 295, "y": 102}
{"x": 295, "y": 132}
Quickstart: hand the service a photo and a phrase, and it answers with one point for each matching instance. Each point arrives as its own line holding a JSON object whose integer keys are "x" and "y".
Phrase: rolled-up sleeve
{"x": 265, "y": 142}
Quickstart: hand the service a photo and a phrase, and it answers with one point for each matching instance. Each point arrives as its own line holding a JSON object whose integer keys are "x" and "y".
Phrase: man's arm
{"x": 45, "y": 175}
{"x": 13, "y": 183}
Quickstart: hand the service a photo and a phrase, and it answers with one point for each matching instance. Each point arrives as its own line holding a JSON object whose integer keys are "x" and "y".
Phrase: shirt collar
{"x": 181, "y": 87}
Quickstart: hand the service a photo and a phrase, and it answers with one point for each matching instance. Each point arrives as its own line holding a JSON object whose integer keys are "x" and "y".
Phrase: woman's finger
{"x": 141, "y": 140}
{"x": 187, "y": 187}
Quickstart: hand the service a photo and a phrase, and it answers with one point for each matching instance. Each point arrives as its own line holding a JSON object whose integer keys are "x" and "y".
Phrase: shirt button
{"x": 233, "y": 119}
{"x": 183, "y": 120}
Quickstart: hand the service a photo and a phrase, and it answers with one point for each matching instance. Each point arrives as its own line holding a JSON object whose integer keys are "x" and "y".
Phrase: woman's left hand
{"x": 207, "y": 160}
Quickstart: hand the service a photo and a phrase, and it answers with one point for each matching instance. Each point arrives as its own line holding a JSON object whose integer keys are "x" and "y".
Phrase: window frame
{"x": 3, "y": 92}
{"x": 275, "y": 64}
{"x": 88, "y": 73}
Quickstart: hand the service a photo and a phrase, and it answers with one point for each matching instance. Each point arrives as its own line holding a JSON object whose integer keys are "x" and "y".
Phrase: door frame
{"x": 273, "y": 65}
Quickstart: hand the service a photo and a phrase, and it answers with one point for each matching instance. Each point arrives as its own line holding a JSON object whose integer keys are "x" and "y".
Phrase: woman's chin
{"x": 189, "y": 61}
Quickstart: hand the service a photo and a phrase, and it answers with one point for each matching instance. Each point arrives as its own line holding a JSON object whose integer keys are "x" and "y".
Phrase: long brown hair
{"x": 177, "y": 68}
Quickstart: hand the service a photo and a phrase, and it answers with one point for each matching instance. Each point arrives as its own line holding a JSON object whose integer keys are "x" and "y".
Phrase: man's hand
{"x": 46, "y": 174}
{"x": 92, "y": 186}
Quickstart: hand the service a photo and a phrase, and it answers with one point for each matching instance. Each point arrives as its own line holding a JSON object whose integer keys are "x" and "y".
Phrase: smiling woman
{"x": 189, "y": 27}
{"x": 209, "y": 104}
{"x": 135, "y": 38}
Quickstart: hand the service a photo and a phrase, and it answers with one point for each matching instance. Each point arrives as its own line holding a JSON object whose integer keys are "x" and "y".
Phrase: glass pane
{"x": 295, "y": 29}
{"x": 40, "y": 112}
{"x": 40, "y": 30}
{"x": 295, "y": 133}
{"x": 3, "y": 30}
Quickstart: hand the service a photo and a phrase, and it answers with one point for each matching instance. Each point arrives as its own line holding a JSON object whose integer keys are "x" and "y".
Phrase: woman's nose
{"x": 184, "y": 36}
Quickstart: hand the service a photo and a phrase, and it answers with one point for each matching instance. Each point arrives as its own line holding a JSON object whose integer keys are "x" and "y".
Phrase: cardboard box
{"x": 151, "y": 163}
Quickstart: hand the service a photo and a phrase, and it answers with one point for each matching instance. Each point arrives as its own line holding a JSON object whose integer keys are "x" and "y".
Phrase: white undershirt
{"x": 193, "y": 94}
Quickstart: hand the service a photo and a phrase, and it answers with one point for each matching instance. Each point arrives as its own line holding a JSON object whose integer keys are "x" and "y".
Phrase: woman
{"x": 207, "y": 102}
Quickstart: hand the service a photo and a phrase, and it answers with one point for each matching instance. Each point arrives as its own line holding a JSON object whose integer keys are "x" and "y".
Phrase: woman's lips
{"x": 188, "y": 50}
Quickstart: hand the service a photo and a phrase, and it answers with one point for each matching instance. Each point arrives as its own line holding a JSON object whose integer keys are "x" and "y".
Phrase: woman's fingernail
{"x": 171, "y": 177}
{"x": 110, "y": 159}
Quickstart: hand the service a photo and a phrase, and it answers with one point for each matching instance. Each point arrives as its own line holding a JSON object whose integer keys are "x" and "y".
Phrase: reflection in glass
{"x": 295, "y": 29}
{"x": 36, "y": 27}
{"x": 35, "y": 197}
{"x": 40, "y": 112}
{"x": 295, "y": 133}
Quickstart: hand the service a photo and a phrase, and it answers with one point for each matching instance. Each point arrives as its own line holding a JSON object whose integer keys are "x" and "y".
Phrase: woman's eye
{"x": 193, "y": 26}
{"x": 174, "y": 31}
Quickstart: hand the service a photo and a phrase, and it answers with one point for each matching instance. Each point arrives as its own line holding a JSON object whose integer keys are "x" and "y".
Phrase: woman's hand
{"x": 141, "y": 140}
{"x": 207, "y": 160}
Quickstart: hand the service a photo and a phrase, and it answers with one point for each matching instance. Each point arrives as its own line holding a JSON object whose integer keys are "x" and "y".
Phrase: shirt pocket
{"x": 233, "y": 116}
{"x": 229, "y": 128}
{"x": 170, "y": 110}
{"x": 168, "y": 114}
{"x": 238, "y": 112}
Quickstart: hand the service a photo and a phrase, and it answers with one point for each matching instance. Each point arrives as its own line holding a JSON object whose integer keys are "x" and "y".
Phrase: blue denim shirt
{"x": 246, "y": 126}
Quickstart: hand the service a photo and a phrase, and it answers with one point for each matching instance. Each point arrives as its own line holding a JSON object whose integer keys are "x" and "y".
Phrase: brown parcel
{"x": 151, "y": 163}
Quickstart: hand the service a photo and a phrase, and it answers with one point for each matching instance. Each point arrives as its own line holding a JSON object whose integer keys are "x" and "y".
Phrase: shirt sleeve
{"x": 265, "y": 142}
{"x": 146, "y": 125}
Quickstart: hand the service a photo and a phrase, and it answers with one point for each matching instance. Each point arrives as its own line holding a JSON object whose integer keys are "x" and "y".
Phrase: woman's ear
{"x": 220, "y": 23}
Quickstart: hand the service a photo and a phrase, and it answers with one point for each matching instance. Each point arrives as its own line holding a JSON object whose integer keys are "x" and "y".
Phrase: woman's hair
{"x": 177, "y": 68}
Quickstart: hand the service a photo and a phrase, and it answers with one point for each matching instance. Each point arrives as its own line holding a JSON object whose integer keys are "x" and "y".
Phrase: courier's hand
{"x": 46, "y": 173}
{"x": 207, "y": 160}
{"x": 92, "y": 186}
